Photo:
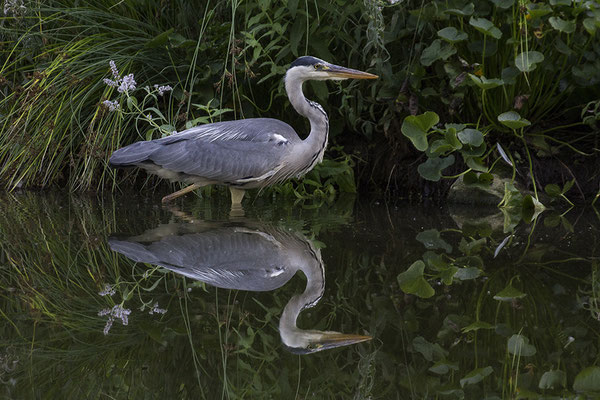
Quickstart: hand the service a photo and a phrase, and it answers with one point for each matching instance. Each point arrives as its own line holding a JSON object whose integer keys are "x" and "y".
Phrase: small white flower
{"x": 127, "y": 84}
{"x": 114, "y": 70}
{"x": 111, "y": 105}
{"x": 163, "y": 89}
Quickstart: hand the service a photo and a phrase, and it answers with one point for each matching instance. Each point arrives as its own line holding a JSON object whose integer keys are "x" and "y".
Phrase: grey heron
{"x": 243, "y": 256}
{"x": 243, "y": 154}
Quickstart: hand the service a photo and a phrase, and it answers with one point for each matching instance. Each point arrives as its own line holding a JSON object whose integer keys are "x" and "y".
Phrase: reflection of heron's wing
{"x": 224, "y": 257}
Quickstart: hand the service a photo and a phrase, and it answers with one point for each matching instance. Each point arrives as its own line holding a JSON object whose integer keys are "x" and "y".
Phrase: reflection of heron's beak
{"x": 335, "y": 71}
{"x": 331, "y": 340}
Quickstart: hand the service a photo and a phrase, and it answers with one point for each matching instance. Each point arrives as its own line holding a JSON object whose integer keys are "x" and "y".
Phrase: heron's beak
{"x": 337, "y": 72}
{"x": 331, "y": 340}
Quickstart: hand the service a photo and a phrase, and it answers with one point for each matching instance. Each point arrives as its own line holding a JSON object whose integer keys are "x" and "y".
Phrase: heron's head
{"x": 310, "y": 341}
{"x": 312, "y": 68}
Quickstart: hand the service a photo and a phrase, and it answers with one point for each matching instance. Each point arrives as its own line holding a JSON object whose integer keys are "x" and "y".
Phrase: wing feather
{"x": 240, "y": 152}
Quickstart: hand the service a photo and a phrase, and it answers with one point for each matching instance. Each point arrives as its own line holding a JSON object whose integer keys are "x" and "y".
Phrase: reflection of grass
{"x": 224, "y": 344}
{"x": 53, "y": 262}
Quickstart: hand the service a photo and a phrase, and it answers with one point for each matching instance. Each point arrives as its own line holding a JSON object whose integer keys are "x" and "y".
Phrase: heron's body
{"x": 245, "y": 257}
{"x": 243, "y": 154}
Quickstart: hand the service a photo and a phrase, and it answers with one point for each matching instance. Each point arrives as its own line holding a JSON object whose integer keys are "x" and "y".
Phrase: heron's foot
{"x": 181, "y": 192}
{"x": 236, "y": 195}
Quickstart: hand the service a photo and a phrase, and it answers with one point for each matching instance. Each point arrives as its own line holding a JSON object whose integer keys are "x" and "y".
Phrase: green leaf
{"x": 464, "y": 12}
{"x": 447, "y": 275}
{"x": 553, "y": 380}
{"x": 412, "y": 282}
{"x": 452, "y": 139}
{"x": 432, "y": 168}
{"x": 538, "y": 10}
{"x": 159, "y": 40}
{"x": 477, "y": 325}
{"x": 590, "y": 25}
{"x": 471, "y": 137}
{"x": 452, "y": 35}
{"x": 485, "y": 83}
{"x": 527, "y": 60}
{"x": 513, "y": 120}
{"x": 473, "y": 151}
{"x": 416, "y": 128}
{"x": 476, "y": 376}
{"x": 440, "y": 147}
{"x": 472, "y": 247}
{"x": 431, "y": 351}
{"x": 434, "y": 260}
{"x": 476, "y": 164}
{"x": 292, "y": 6}
{"x": 132, "y": 103}
{"x": 503, "y": 3}
{"x": 561, "y": 25}
{"x": 432, "y": 240}
{"x": 532, "y": 207}
{"x": 465, "y": 274}
{"x": 486, "y": 27}
{"x": 437, "y": 50}
{"x": 588, "y": 380}
{"x": 296, "y": 34}
{"x": 443, "y": 367}
{"x": 560, "y": 2}
{"x": 519, "y": 346}
{"x": 509, "y": 75}
{"x": 509, "y": 294}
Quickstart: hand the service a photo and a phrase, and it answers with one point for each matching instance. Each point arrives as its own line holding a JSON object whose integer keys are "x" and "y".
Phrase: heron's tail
{"x": 135, "y": 251}
{"x": 133, "y": 154}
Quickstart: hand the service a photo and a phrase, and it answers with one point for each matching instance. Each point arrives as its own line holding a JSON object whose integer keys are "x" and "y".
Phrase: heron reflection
{"x": 244, "y": 256}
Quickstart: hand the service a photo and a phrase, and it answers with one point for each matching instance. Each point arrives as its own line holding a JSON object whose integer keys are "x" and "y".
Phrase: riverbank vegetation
{"x": 485, "y": 85}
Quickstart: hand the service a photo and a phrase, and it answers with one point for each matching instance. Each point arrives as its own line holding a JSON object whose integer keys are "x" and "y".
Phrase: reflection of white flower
{"x": 108, "y": 290}
{"x": 117, "y": 312}
{"x": 156, "y": 310}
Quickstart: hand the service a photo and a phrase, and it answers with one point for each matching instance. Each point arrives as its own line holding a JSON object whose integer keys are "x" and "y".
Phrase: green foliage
{"x": 465, "y": 61}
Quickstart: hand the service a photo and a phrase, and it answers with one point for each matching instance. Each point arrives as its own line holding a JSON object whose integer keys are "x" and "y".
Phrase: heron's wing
{"x": 229, "y": 152}
{"x": 224, "y": 258}
{"x": 247, "y": 130}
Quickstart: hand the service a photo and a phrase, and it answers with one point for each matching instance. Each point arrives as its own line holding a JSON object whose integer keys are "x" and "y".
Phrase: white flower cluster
{"x": 14, "y": 7}
{"x": 124, "y": 84}
{"x": 163, "y": 89}
{"x": 117, "y": 312}
{"x": 111, "y": 105}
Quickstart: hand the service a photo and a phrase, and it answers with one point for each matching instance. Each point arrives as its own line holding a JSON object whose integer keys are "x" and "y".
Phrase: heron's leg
{"x": 181, "y": 192}
{"x": 236, "y": 195}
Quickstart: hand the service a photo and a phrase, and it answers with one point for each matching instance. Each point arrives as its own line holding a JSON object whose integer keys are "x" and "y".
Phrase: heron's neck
{"x": 315, "y": 287}
{"x": 313, "y": 147}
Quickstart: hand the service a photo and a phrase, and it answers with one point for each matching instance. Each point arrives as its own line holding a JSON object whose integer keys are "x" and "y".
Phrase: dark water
{"x": 456, "y": 307}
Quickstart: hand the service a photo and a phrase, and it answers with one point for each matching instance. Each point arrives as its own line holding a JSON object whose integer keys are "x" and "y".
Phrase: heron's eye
{"x": 318, "y": 66}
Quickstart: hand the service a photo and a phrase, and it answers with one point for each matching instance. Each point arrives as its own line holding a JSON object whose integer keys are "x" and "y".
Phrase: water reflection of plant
{"x": 54, "y": 261}
{"x": 530, "y": 349}
{"x": 58, "y": 262}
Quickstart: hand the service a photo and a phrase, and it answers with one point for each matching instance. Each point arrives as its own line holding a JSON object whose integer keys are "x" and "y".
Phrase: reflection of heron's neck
{"x": 313, "y": 147}
{"x": 315, "y": 287}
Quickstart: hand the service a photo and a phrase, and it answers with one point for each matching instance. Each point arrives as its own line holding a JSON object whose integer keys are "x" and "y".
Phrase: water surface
{"x": 456, "y": 307}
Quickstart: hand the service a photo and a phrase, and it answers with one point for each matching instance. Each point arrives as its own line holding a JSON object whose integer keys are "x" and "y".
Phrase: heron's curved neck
{"x": 316, "y": 142}
{"x": 315, "y": 287}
